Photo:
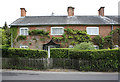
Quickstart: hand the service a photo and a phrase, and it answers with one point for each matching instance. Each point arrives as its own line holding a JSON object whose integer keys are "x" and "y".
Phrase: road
{"x": 34, "y": 75}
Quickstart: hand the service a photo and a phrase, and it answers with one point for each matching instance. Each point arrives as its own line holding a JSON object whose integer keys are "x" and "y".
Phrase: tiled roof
{"x": 66, "y": 20}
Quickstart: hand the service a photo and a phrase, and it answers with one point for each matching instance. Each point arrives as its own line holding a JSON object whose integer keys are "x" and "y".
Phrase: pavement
{"x": 53, "y": 75}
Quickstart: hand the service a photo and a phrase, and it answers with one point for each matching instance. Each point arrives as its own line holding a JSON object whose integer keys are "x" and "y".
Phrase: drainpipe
{"x": 111, "y": 27}
{"x": 11, "y": 41}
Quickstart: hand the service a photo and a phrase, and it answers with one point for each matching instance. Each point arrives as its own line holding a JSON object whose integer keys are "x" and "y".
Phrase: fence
{"x": 63, "y": 63}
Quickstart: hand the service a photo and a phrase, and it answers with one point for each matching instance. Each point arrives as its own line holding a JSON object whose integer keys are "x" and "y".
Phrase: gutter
{"x": 60, "y": 25}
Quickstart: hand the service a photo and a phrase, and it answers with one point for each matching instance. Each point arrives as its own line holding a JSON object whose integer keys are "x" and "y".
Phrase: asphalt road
{"x": 58, "y": 76}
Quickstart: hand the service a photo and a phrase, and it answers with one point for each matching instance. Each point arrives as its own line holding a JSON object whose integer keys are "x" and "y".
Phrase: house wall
{"x": 37, "y": 44}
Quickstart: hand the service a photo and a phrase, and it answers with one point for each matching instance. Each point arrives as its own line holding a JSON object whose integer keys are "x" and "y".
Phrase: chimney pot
{"x": 23, "y": 12}
{"x": 101, "y": 11}
{"x": 70, "y": 11}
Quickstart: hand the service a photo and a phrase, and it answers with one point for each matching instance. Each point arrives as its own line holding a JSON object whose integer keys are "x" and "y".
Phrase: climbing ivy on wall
{"x": 13, "y": 32}
{"x": 73, "y": 37}
{"x": 38, "y": 32}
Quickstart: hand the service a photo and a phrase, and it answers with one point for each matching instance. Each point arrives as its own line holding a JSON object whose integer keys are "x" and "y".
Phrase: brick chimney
{"x": 101, "y": 11}
{"x": 70, "y": 11}
{"x": 23, "y": 12}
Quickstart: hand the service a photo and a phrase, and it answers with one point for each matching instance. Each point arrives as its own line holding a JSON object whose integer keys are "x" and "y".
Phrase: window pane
{"x": 22, "y": 31}
{"x": 57, "y": 31}
{"x": 26, "y": 32}
{"x": 54, "y": 31}
{"x": 93, "y": 31}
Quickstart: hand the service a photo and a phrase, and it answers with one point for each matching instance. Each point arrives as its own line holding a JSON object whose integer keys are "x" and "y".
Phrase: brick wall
{"x": 37, "y": 44}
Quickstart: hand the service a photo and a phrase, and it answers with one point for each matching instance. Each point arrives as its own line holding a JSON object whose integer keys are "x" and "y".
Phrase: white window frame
{"x": 91, "y": 28}
{"x": 24, "y": 47}
{"x": 23, "y": 28}
{"x": 57, "y": 27}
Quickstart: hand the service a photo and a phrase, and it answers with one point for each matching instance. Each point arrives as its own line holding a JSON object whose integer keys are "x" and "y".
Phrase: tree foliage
{"x": 6, "y": 35}
{"x": 3, "y": 39}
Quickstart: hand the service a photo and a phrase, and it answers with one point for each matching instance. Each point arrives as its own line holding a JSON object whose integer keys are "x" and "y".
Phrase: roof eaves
{"x": 60, "y": 24}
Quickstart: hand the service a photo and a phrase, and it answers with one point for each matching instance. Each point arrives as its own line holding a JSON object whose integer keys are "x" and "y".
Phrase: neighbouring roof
{"x": 66, "y": 20}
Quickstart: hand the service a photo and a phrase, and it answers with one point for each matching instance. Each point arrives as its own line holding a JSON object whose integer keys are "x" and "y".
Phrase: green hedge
{"x": 85, "y": 54}
{"x": 90, "y": 60}
{"x": 95, "y": 54}
{"x": 26, "y": 53}
{"x": 97, "y": 60}
{"x": 4, "y": 46}
{"x": 59, "y": 53}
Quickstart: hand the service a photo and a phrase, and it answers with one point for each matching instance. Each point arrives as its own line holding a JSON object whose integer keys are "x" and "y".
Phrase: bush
{"x": 4, "y": 46}
{"x": 84, "y": 54}
{"x": 94, "y": 54}
{"x": 96, "y": 60}
{"x": 90, "y": 60}
{"x": 98, "y": 40}
{"x": 26, "y": 53}
{"x": 84, "y": 46}
{"x": 59, "y": 53}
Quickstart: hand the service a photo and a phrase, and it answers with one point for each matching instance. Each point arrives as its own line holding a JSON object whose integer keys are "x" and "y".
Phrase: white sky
{"x": 10, "y": 9}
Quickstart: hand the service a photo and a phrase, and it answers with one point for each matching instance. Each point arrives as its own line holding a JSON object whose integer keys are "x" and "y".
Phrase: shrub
{"x": 59, "y": 52}
{"x": 26, "y": 53}
{"x": 98, "y": 40}
{"x": 94, "y": 54}
{"x": 4, "y": 46}
{"x": 96, "y": 60}
{"x": 84, "y": 46}
{"x": 90, "y": 60}
{"x": 108, "y": 42}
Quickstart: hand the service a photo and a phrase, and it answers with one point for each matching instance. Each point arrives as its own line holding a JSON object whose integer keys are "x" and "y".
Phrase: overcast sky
{"x": 10, "y": 9}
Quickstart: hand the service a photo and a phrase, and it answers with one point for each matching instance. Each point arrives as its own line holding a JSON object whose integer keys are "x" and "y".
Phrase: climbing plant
{"x": 13, "y": 32}
{"x": 108, "y": 41}
{"x": 38, "y": 32}
{"x": 21, "y": 37}
{"x": 73, "y": 37}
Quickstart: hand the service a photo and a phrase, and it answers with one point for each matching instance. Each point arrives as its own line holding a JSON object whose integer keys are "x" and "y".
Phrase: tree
{"x": 5, "y": 26}
{"x": 7, "y": 34}
{"x": 3, "y": 38}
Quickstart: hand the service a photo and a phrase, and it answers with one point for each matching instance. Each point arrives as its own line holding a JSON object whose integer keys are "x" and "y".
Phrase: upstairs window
{"x": 23, "y": 31}
{"x": 92, "y": 30}
{"x": 57, "y": 30}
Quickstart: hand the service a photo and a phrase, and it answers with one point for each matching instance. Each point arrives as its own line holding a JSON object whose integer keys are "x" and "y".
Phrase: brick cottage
{"x": 94, "y": 25}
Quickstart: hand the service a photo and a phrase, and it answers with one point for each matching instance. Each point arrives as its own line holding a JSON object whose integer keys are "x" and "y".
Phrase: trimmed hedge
{"x": 26, "y": 53}
{"x": 59, "y": 53}
{"x": 90, "y": 60}
{"x": 95, "y": 54}
{"x": 4, "y": 46}
{"x": 85, "y": 54}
